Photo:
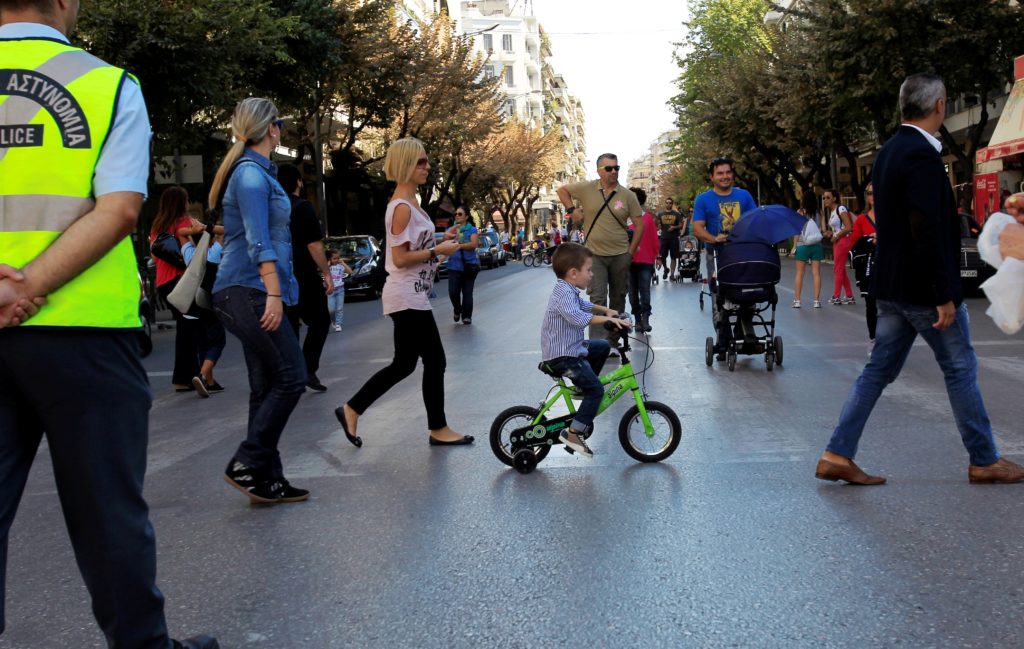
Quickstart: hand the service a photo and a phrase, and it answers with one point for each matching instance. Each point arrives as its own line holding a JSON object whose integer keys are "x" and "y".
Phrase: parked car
{"x": 365, "y": 256}
{"x": 442, "y": 268}
{"x": 485, "y": 253}
{"x": 973, "y": 271}
{"x": 499, "y": 253}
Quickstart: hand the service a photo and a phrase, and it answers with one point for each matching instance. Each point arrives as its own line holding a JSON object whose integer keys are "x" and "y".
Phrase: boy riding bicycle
{"x": 563, "y": 346}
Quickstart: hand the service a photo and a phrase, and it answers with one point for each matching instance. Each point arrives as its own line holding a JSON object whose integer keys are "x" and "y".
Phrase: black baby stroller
{"x": 689, "y": 258}
{"x": 747, "y": 273}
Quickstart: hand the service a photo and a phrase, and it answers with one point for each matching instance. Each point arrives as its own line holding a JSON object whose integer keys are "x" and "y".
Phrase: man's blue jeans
{"x": 898, "y": 326}
{"x": 583, "y": 371}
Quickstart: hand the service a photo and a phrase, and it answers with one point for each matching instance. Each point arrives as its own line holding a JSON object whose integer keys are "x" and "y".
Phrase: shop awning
{"x": 1008, "y": 138}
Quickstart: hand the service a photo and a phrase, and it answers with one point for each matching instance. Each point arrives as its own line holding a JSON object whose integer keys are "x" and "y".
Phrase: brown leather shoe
{"x": 1003, "y": 471}
{"x": 853, "y": 474}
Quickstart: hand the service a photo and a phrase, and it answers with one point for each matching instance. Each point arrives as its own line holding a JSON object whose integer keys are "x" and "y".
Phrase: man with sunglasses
{"x": 605, "y": 209}
{"x": 671, "y": 222}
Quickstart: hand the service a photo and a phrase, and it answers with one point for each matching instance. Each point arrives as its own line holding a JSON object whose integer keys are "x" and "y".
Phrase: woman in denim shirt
{"x": 254, "y": 282}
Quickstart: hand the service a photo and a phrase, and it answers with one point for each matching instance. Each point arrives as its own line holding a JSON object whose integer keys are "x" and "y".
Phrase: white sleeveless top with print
{"x": 409, "y": 287}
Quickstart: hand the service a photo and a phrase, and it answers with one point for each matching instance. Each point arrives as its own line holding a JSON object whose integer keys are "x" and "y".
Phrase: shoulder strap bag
{"x": 598, "y": 215}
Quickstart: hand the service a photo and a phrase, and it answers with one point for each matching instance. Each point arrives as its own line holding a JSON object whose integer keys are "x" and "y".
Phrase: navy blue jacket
{"x": 917, "y": 260}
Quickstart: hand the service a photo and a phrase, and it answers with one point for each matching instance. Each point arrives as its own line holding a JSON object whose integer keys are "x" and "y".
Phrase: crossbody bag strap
{"x": 598, "y": 215}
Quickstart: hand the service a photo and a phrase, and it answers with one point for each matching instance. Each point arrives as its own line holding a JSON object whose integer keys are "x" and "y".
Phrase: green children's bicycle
{"x": 522, "y": 436}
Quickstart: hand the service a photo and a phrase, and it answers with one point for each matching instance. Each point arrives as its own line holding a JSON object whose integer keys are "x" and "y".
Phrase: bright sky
{"x": 617, "y": 58}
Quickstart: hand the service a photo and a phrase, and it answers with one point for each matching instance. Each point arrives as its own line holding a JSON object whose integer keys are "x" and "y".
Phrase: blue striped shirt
{"x": 565, "y": 321}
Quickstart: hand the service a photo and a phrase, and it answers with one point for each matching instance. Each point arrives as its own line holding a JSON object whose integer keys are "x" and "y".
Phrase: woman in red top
{"x": 641, "y": 270}
{"x": 864, "y": 228}
{"x": 172, "y": 216}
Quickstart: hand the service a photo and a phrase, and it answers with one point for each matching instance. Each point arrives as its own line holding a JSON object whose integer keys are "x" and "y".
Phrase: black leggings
{"x": 872, "y": 315}
{"x": 416, "y": 337}
{"x": 187, "y": 336}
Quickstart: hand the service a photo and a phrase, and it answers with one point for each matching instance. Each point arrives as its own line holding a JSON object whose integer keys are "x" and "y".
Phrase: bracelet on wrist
{"x": 273, "y": 295}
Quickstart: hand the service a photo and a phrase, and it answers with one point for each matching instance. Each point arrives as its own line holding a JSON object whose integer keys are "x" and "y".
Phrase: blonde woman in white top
{"x": 412, "y": 257}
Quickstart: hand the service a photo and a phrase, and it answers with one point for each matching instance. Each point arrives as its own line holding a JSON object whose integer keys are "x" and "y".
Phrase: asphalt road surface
{"x": 731, "y": 542}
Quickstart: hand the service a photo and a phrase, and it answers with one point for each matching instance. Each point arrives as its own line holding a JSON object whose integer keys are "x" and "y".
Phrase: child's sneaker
{"x": 573, "y": 440}
{"x": 835, "y": 300}
{"x": 796, "y": 304}
{"x": 817, "y": 304}
{"x": 849, "y": 300}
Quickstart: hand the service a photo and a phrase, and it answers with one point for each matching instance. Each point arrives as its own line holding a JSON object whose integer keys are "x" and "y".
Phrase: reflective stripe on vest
{"x": 57, "y": 105}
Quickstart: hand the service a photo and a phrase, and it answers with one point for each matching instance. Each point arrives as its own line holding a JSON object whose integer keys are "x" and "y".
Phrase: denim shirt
{"x": 256, "y": 217}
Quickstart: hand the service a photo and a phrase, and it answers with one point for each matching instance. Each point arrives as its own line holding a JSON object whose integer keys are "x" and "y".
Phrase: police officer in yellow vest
{"x": 74, "y": 162}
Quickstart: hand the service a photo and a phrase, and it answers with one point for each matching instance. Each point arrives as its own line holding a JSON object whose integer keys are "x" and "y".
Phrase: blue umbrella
{"x": 767, "y": 224}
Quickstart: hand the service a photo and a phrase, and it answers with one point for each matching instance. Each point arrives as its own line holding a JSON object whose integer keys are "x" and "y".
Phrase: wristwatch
{"x": 570, "y": 209}
{"x": 433, "y": 255}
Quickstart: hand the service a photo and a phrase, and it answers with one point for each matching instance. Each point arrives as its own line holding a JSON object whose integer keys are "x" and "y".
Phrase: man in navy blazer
{"x": 916, "y": 281}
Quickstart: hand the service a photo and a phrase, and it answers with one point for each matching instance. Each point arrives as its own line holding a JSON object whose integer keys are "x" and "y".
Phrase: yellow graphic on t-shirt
{"x": 668, "y": 218}
{"x": 730, "y": 213}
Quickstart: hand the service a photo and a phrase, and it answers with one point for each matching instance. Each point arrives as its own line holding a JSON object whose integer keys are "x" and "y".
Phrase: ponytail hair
{"x": 249, "y": 124}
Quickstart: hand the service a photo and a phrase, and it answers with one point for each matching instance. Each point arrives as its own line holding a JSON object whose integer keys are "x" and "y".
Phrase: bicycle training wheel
{"x": 667, "y": 432}
{"x": 506, "y": 422}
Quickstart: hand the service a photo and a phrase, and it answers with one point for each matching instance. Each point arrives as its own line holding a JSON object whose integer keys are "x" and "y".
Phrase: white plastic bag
{"x": 1005, "y": 290}
{"x": 988, "y": 240}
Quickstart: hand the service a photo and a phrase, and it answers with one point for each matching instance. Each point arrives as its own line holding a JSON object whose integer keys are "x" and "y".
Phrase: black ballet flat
{"x": 466, "y": 439}
{"x": 339, "y": 412}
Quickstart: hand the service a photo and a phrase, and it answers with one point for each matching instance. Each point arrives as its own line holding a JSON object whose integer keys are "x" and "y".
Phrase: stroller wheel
{"x": 709, "y": 351}
{"x": 731, "y": 360}
{"x": 778, "y": 350}
{"x": 769, "y": 361}
{"x": 702, "y": 300}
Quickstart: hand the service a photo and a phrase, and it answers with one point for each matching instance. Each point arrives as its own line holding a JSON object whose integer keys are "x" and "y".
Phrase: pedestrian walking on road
{"x": 411, "y": 262}
{"x": 641, "y": 269}
{"x": 605, "y": 209}
{"x": 172, "y": 217}
{"x": 336, "y": 300}
{"x": 671, "y": 222}
{"x": 807, "y": 249}
{"x": 463, "y": 265}
{"x": 213, "y": 337}
{"x": 840, "y": 226}
{"x": 254, "y": 283}
{"x": 916, "y": 281}
{"x": 312, "y": 274}
{"x": 69, "y": 313}
{"x": 864, "y": 242}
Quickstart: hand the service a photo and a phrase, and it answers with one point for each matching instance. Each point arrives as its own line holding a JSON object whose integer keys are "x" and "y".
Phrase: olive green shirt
{"x": 608, "y": 236}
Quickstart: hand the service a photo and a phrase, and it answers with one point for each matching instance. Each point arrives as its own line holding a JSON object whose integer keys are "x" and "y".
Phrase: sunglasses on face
{"x": 870, "y": 193}
{"x": 611, "y": 168}
{"x": 279, "y": 123}
{"x": 460, "y": 214}
{"x": 422, "y": 162}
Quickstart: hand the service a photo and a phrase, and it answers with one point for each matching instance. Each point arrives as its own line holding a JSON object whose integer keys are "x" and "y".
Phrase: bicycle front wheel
{"x": 528, "y": 260}
{"x": 508, "y": 421}
{"x": 667, "y": 432}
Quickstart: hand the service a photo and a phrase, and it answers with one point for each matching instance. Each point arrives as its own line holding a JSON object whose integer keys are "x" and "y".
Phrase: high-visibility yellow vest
{"x": 57, "y": 105}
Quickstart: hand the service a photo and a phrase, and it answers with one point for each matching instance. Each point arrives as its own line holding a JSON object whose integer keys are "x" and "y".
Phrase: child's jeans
{"x": 336, "y": 305}
{"x": 583, "y": 371}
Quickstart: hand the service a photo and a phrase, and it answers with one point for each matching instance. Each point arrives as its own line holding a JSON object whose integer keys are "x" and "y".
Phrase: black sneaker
{"x": 196, "y": 642}
{"x": 467, "y": 321}
{"x": 313, "y": 383}
{"x": 254, "y": 483}
{"x": 214, "y": 387}
{"x": 290, "y": 494}
{"x": 458, "y": 316}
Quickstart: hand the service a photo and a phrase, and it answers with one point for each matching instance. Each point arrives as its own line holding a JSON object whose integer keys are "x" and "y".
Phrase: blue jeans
{"x": 583, "y": 371}
{"x": 277, "y": 374}
{"x": 898, "y": 326}
{"x": 460, "y": 290}
{"x": 640, "y": 288}
{"x": 336, "y": 305}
